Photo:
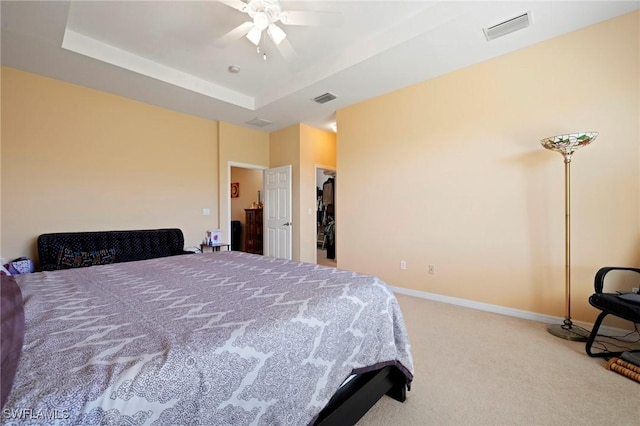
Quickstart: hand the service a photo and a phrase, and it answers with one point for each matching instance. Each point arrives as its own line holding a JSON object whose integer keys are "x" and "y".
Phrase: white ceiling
{"x": 169, "y": 53}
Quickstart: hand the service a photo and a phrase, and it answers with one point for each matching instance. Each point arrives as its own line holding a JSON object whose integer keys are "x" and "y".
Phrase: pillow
{"x": 68, "y": 258}
{"x": 12, "y": 314}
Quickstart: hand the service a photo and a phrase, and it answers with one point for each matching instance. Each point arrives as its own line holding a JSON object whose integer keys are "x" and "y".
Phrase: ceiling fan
{"x": 266, "y": 14}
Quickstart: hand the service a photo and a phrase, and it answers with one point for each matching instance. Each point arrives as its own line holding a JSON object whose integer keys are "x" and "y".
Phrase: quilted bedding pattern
{"x": 226, "y": 338}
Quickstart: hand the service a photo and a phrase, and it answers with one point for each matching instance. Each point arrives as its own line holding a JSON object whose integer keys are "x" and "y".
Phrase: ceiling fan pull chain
{"x": 264, "y": 55}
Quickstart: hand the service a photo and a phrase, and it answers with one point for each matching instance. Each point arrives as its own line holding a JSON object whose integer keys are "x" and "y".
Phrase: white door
{"x": 277, "y": 212}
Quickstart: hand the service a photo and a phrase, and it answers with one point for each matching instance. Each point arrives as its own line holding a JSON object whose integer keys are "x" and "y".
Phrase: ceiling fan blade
{"x": 286, "y": 50}
{"x": 236, "y": 4}
{"x": 235, "y": 34}
{"x": 324, "y": 19}
{"x": 276, "y": 34}
{"x": 254, "y": 35}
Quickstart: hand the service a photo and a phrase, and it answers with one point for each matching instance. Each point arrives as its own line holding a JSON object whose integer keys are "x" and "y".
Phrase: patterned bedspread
{"x": 224, "y": 338}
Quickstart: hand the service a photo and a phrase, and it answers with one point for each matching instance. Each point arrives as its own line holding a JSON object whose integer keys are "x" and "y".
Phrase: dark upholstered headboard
{"x": 128, "y": 245}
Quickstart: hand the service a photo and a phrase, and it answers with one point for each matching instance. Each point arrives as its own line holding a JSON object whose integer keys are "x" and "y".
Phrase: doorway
{"x": 325, "y": 216}
{"x": 246, "y": 183}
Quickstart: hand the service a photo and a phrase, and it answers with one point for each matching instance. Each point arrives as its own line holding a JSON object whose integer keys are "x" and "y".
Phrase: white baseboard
{"x": 497, "y": 309}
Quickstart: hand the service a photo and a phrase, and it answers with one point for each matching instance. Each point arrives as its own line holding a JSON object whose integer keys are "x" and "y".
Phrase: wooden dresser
{"x": 253, "y": 231}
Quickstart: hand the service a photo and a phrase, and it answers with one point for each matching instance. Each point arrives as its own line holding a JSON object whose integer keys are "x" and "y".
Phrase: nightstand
{"x": 215, "y": 247}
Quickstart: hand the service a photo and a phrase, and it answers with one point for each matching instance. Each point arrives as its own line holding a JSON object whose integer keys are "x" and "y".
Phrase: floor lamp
{"x": 567, "y": 145}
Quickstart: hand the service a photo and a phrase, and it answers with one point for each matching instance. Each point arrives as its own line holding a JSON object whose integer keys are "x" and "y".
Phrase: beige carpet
{"x": 322, "y": 259}
{"x": 479, "y": 368}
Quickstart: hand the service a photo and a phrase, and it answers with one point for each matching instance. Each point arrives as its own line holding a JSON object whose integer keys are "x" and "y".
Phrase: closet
{"x": 326, "y": 213}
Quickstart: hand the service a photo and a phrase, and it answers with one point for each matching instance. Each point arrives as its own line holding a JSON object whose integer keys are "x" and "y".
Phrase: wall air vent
{"x": 507, "y": 27}
{"x": 258, "y": 122}
{"x": 323, "y": 99}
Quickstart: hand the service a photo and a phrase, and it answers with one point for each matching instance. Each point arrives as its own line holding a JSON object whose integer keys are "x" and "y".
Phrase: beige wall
{"x": 303, "y": 147}
{"x": 317, "y": 148}
{"x": 238, "y": 146}
{"x": 76, "y": 159}
{"x": 97, "y": 161}
{"x": 453, "y": 174}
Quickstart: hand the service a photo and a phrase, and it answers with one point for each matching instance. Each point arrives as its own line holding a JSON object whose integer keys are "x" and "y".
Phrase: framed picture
{"x": 235, "y": 189}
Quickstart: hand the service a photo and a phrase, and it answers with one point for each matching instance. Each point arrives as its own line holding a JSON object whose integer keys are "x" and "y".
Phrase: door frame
{"x": 228, "y": 190}
{"x": 315, "y": 186}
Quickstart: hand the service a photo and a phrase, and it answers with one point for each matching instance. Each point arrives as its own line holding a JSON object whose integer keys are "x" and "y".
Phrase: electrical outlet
{"x": 403, "y": 264}
{"x": 431, "y": 270}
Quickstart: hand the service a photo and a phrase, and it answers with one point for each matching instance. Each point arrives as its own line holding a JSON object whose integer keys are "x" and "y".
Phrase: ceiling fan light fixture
{"x": 276, "y": 34}
{"x": 254, "y": 35}
{"x": 261, "y": 20}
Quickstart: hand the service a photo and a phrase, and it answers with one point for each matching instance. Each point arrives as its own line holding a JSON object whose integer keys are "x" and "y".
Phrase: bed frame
{"x": 354, "y": 399}
{"x": 129, "y": 245}
{"x": 346, "y": 407}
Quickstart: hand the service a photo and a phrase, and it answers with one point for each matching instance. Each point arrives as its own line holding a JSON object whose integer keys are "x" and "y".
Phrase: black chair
{"x": 626, "y": 306}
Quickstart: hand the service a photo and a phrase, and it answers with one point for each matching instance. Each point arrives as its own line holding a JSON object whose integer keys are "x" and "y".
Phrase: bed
{"x": 224, "y": 338}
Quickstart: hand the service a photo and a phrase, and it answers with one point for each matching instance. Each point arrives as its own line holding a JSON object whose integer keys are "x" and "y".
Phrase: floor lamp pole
{"x": 567, "y": 145}
{"x": 567, "y": 237}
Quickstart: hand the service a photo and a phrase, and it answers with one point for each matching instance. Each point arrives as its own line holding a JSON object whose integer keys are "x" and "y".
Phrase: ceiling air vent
{"x": 323, "y": 99}
{"x": 258, "y": 122}
{"x": 507, "y": 27}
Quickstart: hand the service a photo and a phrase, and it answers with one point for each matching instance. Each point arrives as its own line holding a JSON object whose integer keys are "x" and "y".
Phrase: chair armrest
{"x": 598, "y": 282}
